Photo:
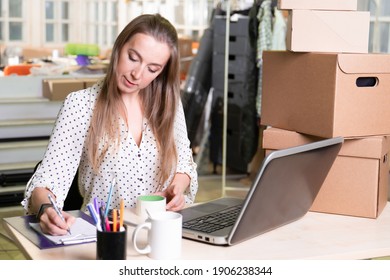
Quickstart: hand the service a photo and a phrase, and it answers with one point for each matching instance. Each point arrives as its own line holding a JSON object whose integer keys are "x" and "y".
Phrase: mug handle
{"x": 147, "y": 248}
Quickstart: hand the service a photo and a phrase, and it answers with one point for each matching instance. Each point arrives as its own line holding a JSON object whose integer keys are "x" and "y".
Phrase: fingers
{"x": 175, "y": 198}
{"x": 69, "y": 219}
{"x": 176, "y": 203}
{"x": 52, "y": 224}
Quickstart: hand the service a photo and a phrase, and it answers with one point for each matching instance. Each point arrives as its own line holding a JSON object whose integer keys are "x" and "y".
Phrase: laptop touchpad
{"x": 201, "y": 210}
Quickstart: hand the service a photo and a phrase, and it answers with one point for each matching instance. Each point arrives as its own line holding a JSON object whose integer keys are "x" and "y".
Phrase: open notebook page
{"x": 82, "y": 232}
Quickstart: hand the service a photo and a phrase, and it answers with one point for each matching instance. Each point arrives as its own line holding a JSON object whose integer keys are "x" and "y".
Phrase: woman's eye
{"x": 132, "y": 58}
{"x": 152, "y": 70}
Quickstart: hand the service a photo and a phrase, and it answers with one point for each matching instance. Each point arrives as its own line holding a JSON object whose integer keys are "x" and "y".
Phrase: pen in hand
{"x": 57, "y": 210}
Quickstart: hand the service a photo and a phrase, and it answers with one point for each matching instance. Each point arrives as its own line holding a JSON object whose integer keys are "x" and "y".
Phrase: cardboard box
{"x": 328, "y": 31}
{"x": 90, "y": 82}
{"x": 58, "y": 89}
{"x": 326, "y": 94}
{"x": 357, "y": 183}
{"x": 346, "y": 5}
{"x": 34, "y": 52}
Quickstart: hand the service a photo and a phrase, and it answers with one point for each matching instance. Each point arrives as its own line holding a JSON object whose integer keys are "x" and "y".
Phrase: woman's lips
{"x": 129, "y": 83}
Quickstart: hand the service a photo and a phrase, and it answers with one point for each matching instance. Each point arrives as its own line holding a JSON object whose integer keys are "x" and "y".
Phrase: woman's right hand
{"x": 49, "y": 220}
{"x": 51, "y": 223}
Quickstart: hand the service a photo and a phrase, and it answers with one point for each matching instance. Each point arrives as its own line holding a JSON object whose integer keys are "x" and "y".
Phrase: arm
{"x": 175, "y": 193}
{"x": 49, "y": 220}
{"x": 56, "y": 172}
{"x": 184, "y": 185}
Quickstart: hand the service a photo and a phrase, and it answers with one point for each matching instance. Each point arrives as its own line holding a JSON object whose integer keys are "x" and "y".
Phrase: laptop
{"x": 283, "y": 191}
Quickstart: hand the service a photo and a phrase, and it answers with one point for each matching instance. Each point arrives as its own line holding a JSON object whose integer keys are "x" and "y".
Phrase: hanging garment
{"x": 264, "y": 42}
{"x": 279, "y": 30}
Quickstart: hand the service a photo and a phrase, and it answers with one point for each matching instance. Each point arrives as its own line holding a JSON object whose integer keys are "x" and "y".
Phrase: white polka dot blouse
{"x": 135, "y": 168}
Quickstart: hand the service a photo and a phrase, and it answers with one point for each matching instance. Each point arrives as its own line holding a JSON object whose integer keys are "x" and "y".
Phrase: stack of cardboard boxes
{"x": 325, "y": 85}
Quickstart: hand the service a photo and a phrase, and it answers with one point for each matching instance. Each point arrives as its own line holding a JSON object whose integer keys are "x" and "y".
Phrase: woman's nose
{"x": 136, "y": 73}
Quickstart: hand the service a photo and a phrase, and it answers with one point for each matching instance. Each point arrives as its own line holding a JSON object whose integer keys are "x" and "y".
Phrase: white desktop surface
{"x": 315, "y": 236}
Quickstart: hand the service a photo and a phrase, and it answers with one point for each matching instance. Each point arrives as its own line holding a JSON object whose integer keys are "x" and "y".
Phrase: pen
{"x": 96, "y": 204}
{"x": 109, "y": 197}
{"x": 78, "y": 241}
{"x": 114, "y": 220}
{"x": 121, "y": 213}
{"x": 107, "y": 224}
{"x": 57, "y": 210}
{"x": 94, "y": 216}
{"x": 102, "y": 219}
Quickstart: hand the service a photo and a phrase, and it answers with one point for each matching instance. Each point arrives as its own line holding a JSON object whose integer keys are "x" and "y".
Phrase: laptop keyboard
{"x": 215, "y": 221}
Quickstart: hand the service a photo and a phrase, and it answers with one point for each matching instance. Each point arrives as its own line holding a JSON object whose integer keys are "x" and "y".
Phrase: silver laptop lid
{"x": 285, "y": 188}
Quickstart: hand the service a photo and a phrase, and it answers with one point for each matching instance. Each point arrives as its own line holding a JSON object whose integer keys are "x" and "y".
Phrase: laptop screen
{"x": 285, "y": 188}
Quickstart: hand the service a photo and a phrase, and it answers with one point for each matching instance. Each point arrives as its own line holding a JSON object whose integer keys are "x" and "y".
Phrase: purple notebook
{"x": 22, "y": 224}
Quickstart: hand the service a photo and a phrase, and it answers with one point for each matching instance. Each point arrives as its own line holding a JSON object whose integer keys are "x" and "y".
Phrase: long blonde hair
{"x": 159, "y": 100}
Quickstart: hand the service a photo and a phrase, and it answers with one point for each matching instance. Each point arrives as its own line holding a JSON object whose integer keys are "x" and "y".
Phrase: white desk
{"x": 315, "y": 236}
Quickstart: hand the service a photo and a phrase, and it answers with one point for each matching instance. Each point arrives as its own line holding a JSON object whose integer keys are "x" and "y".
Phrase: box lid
{"x": 355, "y": 63}
{"x": 328, "y": 31}
{"x": 366, "y": 147}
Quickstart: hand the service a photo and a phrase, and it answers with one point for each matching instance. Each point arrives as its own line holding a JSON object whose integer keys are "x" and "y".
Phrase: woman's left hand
{"x": 175, "y": 192}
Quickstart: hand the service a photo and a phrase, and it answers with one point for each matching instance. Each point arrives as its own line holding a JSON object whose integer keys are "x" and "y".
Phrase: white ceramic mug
{"x": 164, "y": 236}
{"x": 151, "y": 204}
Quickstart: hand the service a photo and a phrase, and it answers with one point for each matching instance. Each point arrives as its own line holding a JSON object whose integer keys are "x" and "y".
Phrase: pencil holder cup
{"x": 111, "y": 245}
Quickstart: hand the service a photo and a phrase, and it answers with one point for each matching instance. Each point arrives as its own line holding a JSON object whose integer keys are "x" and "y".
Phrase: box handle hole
{"x": 232, "y": 38}
{"x": 367, "y": 81}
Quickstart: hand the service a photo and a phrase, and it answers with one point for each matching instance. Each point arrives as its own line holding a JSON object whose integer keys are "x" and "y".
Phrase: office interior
{"x": 41, "y": 63}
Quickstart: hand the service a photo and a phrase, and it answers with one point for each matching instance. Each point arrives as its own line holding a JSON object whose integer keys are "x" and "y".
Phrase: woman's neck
{"x": 134, "y": 115}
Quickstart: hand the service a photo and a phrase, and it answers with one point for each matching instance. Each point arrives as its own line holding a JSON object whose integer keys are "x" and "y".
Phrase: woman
{"x": 129, "y": 127}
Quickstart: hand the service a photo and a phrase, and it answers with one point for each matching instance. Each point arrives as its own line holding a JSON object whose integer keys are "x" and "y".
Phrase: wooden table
{"x": 315, "y": 236}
